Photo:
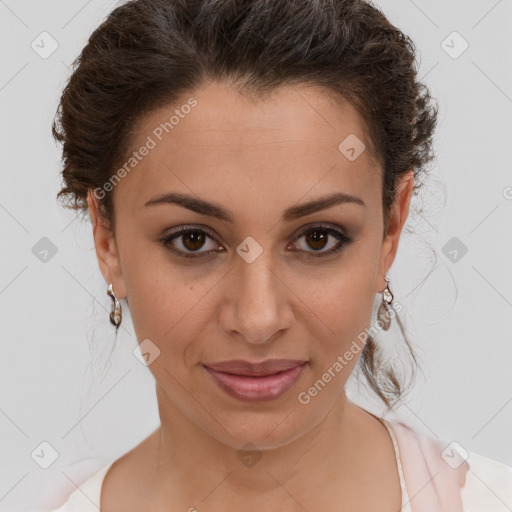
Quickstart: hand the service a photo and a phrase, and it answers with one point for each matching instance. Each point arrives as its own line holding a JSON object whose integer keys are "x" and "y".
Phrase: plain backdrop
{"x": 58, "y": 382}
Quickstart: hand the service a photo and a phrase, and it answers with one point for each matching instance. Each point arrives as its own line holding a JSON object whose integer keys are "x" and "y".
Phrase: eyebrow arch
{"x": 214, "y": 210}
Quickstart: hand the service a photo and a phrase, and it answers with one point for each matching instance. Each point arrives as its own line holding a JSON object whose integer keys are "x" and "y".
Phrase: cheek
{"x": 347, "y": 312}
{"x": 165, "y": 306}
{"x": 340, "y": 312}
{"x": 346, "y": 309}
{"x": 344, "y": 301}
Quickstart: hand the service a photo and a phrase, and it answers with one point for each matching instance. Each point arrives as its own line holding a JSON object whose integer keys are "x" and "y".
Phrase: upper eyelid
{"x": 297, "y": 233}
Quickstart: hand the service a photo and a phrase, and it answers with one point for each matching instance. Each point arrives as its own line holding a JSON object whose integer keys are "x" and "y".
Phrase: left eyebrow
{"x": 322, "y": 203}
{"x": 212, "y": 209}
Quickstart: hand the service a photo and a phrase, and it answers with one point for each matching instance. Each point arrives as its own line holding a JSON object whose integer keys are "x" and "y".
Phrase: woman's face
{"x": 253, "y": 284}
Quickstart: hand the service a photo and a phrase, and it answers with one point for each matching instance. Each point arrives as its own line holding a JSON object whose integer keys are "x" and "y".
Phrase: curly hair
{"x": 149, "y": 52}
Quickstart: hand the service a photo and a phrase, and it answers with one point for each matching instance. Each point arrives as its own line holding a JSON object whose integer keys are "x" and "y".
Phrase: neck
{"x": 200, "y": 464}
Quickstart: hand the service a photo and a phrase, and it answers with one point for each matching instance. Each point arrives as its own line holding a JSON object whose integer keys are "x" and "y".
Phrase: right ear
{"x": 106, "y": 247}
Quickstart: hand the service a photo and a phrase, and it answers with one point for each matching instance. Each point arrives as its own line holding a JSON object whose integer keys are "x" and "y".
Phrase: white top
{"x": 433, "y": 478}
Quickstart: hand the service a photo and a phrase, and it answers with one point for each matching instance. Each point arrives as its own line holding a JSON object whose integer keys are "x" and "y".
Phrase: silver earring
{"x": 385, "y": 307}
{"x": 115, "y": 314}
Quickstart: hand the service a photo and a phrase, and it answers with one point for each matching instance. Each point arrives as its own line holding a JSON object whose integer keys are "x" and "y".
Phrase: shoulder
{"x": 488, "y": 485}
{"x": 85, "y": 497}
{"x": 457, "y": 476}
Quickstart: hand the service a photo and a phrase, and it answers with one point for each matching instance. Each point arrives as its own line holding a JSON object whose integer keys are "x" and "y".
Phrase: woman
{"x": 248, "y": 167}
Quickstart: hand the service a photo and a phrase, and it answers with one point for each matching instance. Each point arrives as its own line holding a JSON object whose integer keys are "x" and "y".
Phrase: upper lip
{"x": 267, "y": 367}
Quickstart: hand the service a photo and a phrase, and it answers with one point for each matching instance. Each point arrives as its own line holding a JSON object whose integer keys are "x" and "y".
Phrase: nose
{"x": 257, "y": 301}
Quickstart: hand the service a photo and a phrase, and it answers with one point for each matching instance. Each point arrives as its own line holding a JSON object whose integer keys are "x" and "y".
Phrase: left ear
{"x": 398, "y": 214}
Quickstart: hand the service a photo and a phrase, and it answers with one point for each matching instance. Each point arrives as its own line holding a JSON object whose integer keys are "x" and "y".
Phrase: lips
{"x": 256, "y": 382}
{"x": 255, "y": 369}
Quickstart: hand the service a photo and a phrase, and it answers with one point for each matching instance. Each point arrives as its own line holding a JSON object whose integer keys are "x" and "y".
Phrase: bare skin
{"x": 255, "y": 158}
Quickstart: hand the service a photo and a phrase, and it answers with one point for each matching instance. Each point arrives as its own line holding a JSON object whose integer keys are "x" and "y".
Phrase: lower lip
{"x": 257, "y": 389}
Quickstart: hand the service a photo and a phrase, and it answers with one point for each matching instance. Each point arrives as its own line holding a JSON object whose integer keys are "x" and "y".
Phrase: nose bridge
{"x": 257, "y": 278}
{"x": 257, "y": 300}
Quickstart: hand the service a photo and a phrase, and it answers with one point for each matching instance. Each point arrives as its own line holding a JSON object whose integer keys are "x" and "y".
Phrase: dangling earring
{"x": 385, "y": 307}
{"x": 115, "y": 315}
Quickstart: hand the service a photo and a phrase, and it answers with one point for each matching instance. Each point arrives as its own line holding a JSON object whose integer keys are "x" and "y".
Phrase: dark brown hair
{"x": 147, "y": 53}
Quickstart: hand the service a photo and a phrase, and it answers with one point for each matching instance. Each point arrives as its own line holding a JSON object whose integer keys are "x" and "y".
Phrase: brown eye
{"x": 322, "y": 237}
{"x": 317, "y": 239}
{"x": 186, "y": 242}
{"x": 193, "y": 240}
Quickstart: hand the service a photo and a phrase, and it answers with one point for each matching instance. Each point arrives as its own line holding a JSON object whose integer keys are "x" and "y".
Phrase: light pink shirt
{"x": 435, "y": 476}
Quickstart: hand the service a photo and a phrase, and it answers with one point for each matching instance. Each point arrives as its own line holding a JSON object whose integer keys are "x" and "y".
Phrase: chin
{"x": 258, "y": 430}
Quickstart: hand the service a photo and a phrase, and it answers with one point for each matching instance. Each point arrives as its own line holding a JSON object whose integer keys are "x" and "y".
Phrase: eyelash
{"x": 343, "y": 239}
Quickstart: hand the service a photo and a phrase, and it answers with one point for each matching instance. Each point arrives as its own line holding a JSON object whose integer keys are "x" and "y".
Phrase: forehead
{"x": 215, "y": 141}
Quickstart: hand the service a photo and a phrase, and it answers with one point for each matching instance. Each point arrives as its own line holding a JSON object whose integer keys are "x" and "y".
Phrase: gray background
{"x": 57, "y": 382}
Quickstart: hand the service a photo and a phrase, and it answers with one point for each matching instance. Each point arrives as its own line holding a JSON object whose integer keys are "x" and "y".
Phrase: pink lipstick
{"x": 256, "y": 382}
